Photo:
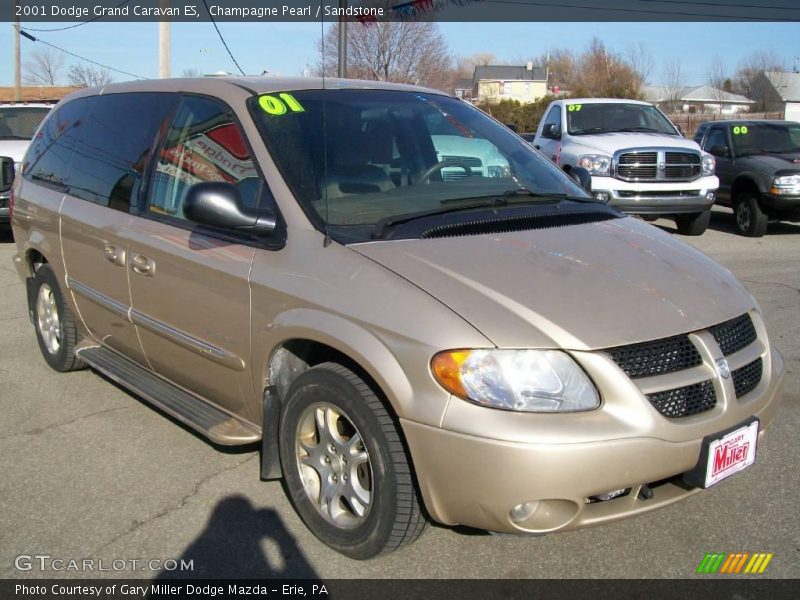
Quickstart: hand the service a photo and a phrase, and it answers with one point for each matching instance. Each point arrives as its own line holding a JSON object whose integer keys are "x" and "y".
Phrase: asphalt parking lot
{"x": 89, "y": 471}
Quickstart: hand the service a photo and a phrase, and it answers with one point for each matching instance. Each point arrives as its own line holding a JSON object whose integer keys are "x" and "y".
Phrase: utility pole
{"x": 17, "y": 74}
{"x": 342, "y": 67}
{"x": 163, "y": 46}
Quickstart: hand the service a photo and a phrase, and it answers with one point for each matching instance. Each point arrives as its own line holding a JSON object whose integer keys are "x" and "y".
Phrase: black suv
{"x": 758, "y": 165}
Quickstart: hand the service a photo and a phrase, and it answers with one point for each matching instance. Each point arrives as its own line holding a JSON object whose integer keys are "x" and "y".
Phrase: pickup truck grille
{"x": 647, "y": 364}
{"x": 451, "y": 173}
{"x": 657, "y": 165}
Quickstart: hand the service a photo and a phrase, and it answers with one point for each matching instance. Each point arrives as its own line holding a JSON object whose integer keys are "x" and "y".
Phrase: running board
{"x": 216, "y": 425}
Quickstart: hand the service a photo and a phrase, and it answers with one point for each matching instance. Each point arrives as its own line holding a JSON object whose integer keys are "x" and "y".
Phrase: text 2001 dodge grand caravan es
{"x": 313, "y": 266}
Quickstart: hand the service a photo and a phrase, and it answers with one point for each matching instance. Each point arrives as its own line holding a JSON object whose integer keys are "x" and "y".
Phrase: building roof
{"x": 506, "y": 73}
{"x": 700, "y": 93}
{"x": 786, "y": 84}
{"x": 463, "y": 83}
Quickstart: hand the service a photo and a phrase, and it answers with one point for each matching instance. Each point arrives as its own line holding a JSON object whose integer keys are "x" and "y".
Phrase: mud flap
{"x": 270, "y": 451}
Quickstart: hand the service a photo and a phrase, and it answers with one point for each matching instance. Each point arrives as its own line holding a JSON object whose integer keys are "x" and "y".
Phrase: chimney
{"x": 529, "y": 66}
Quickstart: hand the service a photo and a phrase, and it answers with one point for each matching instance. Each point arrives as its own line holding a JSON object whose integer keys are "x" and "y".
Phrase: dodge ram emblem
{"x": 722, "y": 368}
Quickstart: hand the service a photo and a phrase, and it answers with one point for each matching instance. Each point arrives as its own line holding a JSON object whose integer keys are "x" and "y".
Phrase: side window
{"x": 553, "y": 118}
{"x": 115, "y": 146}
{"x": 203, "y": 143}
{"x": 698, "y": 135}
{"x": 51, "y": 151}
{"x": 716, "y": 137}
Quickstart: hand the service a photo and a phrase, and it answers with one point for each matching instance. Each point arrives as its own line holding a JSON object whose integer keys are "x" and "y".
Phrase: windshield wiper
{"x": 383, "y": 225}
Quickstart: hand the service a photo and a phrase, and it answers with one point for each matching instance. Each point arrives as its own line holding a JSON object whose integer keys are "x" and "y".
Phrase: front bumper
{"x": 658, "y": 198}
{"x": 781, "y": 205}
{"x": 476, "y": 481}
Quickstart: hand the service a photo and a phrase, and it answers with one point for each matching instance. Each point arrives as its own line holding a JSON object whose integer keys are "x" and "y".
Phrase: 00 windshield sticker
{"x": 740, "y": 130}
{"x": 574, "y": 107}
{"x": 280, "y": 104}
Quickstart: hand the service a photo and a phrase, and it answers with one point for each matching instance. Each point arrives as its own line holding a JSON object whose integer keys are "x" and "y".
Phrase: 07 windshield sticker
{"x": 280, "y": 104}
{"x": 574, "y": 107}
{"x": 740, "y": 130}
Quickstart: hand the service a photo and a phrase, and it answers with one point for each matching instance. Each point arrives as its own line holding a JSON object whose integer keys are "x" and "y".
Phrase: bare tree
{"x": 465, "y": 66}
{"x": 716, "y": 77}
{"x": 748, "y": 80}
{"x": 640, "y": 61}
{"x": 43, "y": 67}
{"x": 561, "y": 65}
{"x": 673, "y": 82}
{"x": 601, "y": 72}
{"x": 86, "y": 76}
{"x": 403, "y": 52}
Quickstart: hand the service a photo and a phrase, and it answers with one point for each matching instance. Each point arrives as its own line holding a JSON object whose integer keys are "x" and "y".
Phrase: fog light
{"x": 609, "y": 495}
{"x": 710, "y": 196}
{"x": 523, "y": 512}
{"x": 602, "y": 196}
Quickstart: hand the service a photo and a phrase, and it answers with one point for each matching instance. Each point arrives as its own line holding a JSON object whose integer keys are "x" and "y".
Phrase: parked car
{"x": 639, "y": 161}
{"x": 270, "y": 259}
{"x": 758, "y": 165}
{"x": 18, "y": 122}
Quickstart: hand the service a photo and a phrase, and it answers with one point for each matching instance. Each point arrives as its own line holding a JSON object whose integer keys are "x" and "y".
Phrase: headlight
{"x": 788, "y": 185}
{"x": 495, "y": 171}
{"x": 707, "y": 164}
{"x": 519, "y": 380}
{"x": 597, "y": 164}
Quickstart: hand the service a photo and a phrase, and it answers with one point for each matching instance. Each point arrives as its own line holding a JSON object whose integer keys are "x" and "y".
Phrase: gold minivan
{"x": 415, "y": 313}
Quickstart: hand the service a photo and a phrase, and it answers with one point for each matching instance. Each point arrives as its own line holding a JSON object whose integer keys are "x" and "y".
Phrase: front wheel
{"x": 344, "y": 464}
{"x": 750, "y": 219}
{"x": 694, "y": 224}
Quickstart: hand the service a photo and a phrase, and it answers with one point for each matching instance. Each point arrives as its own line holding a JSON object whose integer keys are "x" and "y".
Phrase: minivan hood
{"x": 579, "y": 287}
{"x": 609, "y": 143}
{"x": 14, "y": 149}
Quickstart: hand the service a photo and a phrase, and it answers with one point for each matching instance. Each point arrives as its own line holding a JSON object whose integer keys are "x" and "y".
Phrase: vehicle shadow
{"x": 6, "y": 235}
{"x": 724, "y": 222}
{"x": 232, "y": 546}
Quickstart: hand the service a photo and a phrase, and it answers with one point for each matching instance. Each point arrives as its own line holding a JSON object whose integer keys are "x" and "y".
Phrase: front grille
{"x": 735, "y": 334}
{"x": 638, "y": 165}
{"x": 746, "y": 378}
{"x": 681, "y": 165}
{"x": 656, "y": 358}
{"x": 471, "y": 161}
{"x": 685, "y": 401}
{"x": 659, "y": 194}
{"x": 457, "y": 172}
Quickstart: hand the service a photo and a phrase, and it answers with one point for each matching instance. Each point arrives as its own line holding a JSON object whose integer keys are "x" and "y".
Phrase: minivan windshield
{"x": 583, "y": 119}
{"x": 361, "y": 159}
{"x": 20, "y": 122}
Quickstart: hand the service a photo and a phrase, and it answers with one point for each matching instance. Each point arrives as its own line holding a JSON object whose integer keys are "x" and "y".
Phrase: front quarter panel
{"x": 337, "y": 297}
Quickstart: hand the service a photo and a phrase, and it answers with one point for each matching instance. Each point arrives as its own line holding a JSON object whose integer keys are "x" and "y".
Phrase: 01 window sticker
{"x": 280, "y": 104}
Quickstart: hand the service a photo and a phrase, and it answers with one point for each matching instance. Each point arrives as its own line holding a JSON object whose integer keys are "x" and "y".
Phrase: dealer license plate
{"x": 731, "y": 453}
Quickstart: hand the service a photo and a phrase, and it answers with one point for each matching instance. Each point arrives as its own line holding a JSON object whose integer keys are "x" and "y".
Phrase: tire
{"x": 750, "y": 219}
{"x": 334, "y": 428}
{"x": 695, "y": 224}
{"x": 54, "y": 323}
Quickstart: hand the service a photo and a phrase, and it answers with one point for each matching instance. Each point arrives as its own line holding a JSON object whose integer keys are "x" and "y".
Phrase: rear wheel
{"x": 344, "y": 464}
{"x": 694, "y": 224}
{"x": 54, "y": 322}
{"x": 750, "y": 219}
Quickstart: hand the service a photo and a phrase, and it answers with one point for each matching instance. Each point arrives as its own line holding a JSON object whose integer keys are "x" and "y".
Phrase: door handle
{"x": 143, "y": 265}
{"x": 114, "y": 254}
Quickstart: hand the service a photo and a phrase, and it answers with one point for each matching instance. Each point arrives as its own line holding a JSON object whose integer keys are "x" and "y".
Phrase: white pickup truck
{"x": 639, "y": 161}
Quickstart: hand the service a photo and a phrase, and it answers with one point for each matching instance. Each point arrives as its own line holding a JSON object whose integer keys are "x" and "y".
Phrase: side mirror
{"x": 720, "y": 150}
{"x": 220, "y": 205}
{"x": 6, "y": 173}
{"x": 551, "y": 132}
{"x": 583, "y": 177}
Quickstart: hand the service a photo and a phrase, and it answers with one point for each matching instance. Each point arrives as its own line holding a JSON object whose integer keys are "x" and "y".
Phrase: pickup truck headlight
{"x": 786, "y": 185}
{"x": 597, "y": 164}
{"x": 518, "y": 380}
{"x": 707, "y": 164}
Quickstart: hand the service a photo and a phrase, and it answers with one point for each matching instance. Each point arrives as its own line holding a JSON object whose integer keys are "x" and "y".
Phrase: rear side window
{"x": 115, "y": 146}
{"x": 49, "y": 156}
{"x": 203, "y": 143}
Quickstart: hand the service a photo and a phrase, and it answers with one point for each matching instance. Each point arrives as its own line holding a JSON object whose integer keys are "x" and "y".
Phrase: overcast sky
{"x": 285, "y": 48}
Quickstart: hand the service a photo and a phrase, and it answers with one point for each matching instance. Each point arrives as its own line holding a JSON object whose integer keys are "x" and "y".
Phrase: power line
{"x": 222, "y": 39}
{"x": 120, "y": 5}
{"x": 83, "y": 58}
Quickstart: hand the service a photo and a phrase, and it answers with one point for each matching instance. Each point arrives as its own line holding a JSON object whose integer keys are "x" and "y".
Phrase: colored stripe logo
{"x": 735, "y": 563}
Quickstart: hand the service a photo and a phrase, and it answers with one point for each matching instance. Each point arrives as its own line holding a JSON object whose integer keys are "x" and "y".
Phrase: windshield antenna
{"x": 327, "y": 239}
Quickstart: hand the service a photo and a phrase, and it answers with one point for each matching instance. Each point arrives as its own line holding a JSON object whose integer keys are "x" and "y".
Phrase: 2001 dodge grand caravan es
{"x": 330, "y": 268}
